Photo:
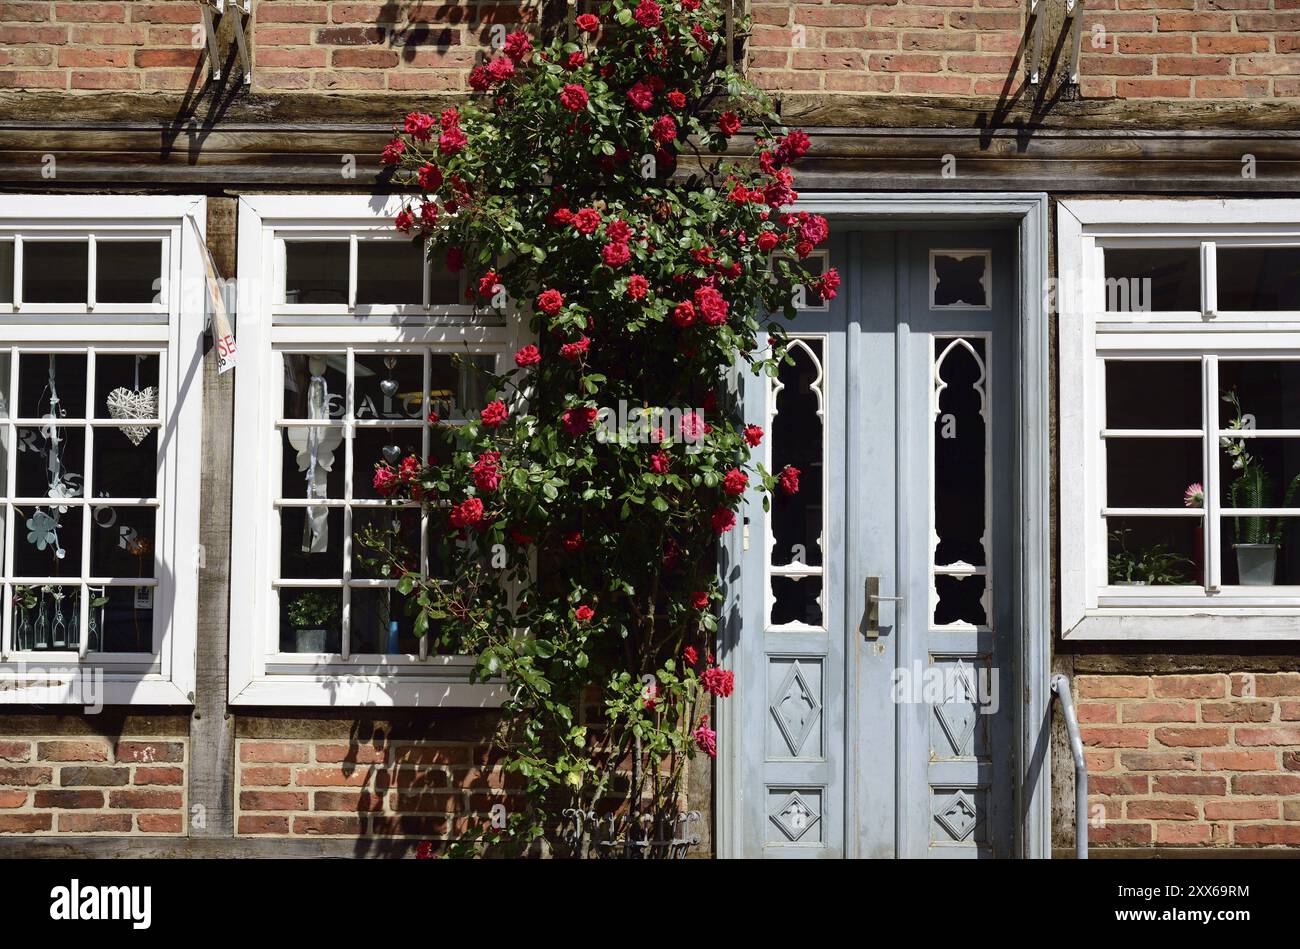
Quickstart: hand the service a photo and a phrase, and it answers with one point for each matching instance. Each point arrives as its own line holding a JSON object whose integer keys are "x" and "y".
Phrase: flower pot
{"x": 311, "y": 639}
{"x": 1132, "y": 583}
{"x": 1256, "y": 564}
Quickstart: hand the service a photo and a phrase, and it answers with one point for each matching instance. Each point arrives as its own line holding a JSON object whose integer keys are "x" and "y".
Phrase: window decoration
{"x": 960, "y": 279}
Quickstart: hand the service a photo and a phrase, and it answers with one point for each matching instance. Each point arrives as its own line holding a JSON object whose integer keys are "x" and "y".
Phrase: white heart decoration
{"x": 124, "y": 403}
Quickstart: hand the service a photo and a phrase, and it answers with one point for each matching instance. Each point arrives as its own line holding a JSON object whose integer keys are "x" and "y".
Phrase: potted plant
{"x": 312, "y": 614}
{"x": 1257, "y": 537}
{"x": 1154, "y": 566}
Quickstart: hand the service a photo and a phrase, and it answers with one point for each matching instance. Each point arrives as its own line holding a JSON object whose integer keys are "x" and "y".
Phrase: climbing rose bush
{"x": 577, "y": 518}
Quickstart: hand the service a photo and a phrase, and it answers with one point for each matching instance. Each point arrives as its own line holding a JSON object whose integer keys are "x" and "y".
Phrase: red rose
{"x": 723, "y": 520}
{"x": 430, "y": 177}
{"x": 487, "y": 476}
{"x": 494, "y": 413}
{"x": 767, "y": 240}
{"x": 573, "y": 541}
{"x": 575, "y": 350}
{"x": 520, "y": 538}
{"x": 386, "y": 481}
{"x": 579, "y": 421}
{"x": 789, "y": 479}
{"x": 488, "y": 283}
{"x": 665, "y": 129}
{"x": 713, "y": 308}
{"x": 734, "y": 482}
{"x": 588, "y": 22}
{"x": 449, "y": 118}
{"x": 550, "y": 302}
{"x": 586, "y": 221}
{"x": 803, "y": 249}
{"x": 452, "y": 141}
{"x": 753, "y": 435}
{"x": 517, "y": 45}
{"x": 530, "y": 355}
{"x": 468, "y": 513}
{"x": 699, "y": 600}
{"x": 616, "y": 255}
{"x": 419, "y": 125}
{"x": 719, "y": 682}
{"x": 676, "y": 99}
{"x": 796, "y": 144}
{"x": 404, "y": 221}
{"x": 618, "y": 230}
{"x": 479, "y": 80}
{"x": 637, "y": 287}
{"x": 393, "y": 152}
{"x": 573, "y": 97}
{"x": 729, "y": 123}
{"x": 648, "y": 14}
{"x": 641, "y": 95}
{"x": 575, "y": 60}
{"x": 455, "y": 259}
{"x": 500, "y": 69}
{"x": 829, "y": 284}
{"x": 584, "y": 614}
{"x": 659, "y": 462}
{"x": 684, "y": 314}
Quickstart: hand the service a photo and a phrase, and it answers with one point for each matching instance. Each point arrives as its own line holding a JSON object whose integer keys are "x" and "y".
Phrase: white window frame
{"x": 259, "y": 674}
{"x": 1088, "y": 334}
{"x": 174, "y": 327}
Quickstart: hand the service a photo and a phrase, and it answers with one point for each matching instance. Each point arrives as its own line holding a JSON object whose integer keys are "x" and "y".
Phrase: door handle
{"x": 874, "y": 599}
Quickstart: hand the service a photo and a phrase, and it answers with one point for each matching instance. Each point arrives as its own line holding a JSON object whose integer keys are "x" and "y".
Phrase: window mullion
{"x": 345, "y": 645}
{"x": 88, "y": 512}
{"x": 352, "y": 271}
{"x": 426, "y": 447}
{"x": 1212, "y": 540}
{"x": 18, "y": 277}
{"x": 1209, "y": 280}
{"x": 92, "y": 269}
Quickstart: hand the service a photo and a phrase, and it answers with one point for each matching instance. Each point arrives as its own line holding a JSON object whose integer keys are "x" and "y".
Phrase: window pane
{"x": 124, "y": 469}
{"x": 1261, "y": 551}
{"x": 46, "y": 617}
{"x": 47, "y": 542}
{"x": 50, "y": 462}
{"x": 121, "y": 619}
{"x": 56, "y": 271}
{"x": 390, "y": 272}
{"x": 312, "y": 462}
{"x": 1151, "y": 472}
{"x": 796, "y": 600}
{"x": 311, "y": 620}
{"x": 1258, "y": 278}
{"x": 1260, "y": 472}
{"x": 52, "y": 385}
{"x": 380, "y": 623}
{"x": 1153, "y": 394}
{"x": 311, "y": 542}
{"x": 1139, "y": 279}
{"x": 123, "y": 541}
{"x": 1267, "y": 394}
{"x": 385, "y": 536}
{"x": 126, "y": 387}
{"x": 128, "y": 271}
{"x": 796, "y": 521}
{"x": 444, "y": 285}
{"x": 6, "y": 271}
{"x": 960, "y": 600}
{"x": 458, "y": 385}
{"x": 328, "y": 373}
{"x": 373, "y": 445}
{"x": 316, "y": 272}
{"x": 1155, "y": 551}
{"x": 960, "y": 464}
{"x": 388, "y": 386}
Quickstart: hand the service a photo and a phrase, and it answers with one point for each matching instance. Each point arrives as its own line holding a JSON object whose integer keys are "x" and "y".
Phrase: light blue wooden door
{"x": 890, "y": 738}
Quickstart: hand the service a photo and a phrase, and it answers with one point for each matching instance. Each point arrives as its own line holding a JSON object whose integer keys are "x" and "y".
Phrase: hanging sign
{"x": 222, "y": 332}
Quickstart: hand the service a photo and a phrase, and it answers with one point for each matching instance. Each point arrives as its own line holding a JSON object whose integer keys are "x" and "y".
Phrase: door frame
{"x": 737, "y": 770}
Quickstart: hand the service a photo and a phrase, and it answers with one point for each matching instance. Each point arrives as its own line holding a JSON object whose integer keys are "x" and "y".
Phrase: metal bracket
{"x": 1073, "y": 23}
{"x": 243, "y": 9}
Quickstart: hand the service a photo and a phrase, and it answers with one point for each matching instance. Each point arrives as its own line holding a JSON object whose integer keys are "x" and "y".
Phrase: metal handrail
{"x": 1061, "y": 689}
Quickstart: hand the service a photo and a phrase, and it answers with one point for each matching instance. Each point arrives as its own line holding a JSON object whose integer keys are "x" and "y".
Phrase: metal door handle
{"x": 874, "y": 599}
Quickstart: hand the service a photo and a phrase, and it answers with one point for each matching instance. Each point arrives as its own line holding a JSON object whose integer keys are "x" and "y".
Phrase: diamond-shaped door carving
{"x": 795, "y": 815}
{"x": 959, "y": 712}
{"x": 957, "y": 815}
{"x": 795, "y": 708}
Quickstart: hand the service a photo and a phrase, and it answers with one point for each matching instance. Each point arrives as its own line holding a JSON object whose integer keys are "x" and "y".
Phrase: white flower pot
{"x": 310, "y": 640}
{"x": 1256, "y": 564}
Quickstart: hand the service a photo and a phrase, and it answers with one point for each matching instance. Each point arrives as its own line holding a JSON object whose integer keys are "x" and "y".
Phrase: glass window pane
{"x": 1155, "y": 551}
{"x": 50, "y": 462}
{"x": 311, "y": 542}
{"x": 123, "y": 541}
{"x": 1266, "y": 393}
{"x": 311, "y": 620}
{"x": 128, "y": 271}
{"x": 796, "y": 600}
{"x": 960, "y": 464}
{"x": 381, "y": 623}
{"x": 1258, "y": 278}
{"x": 316, "y": 272}
{"x": 1260, "y": 472}
{"x": 797, "y": 439}
{"x": 385, "y": 537}
{"x": 121, "y": 619}
{"x": 390, "y": 272}
{"x": 312, "y": 462}
{"x": 1152, "y": 472}
{"x": 1140, "y": 279}
{"x": 960, "y": 600}
{"x": 1261, "y": 551}
{"x": 6, "y": 271}
{"x": 388, "y": 386}
{"x": 46, "y": 617}
{"x": 56, "y": 271}
{"x": 373, "y": 445}
{"x": 47, "y": 542}
{"x": 315, "y": 385}
{"x": 52, "y": 385}
{"x": 444, "y": 284}
{"x": 124, "y": 468}
{"x": 126, "y": 387}
{"x": 1153, "y": 393}
{"x": 458, "y": 385}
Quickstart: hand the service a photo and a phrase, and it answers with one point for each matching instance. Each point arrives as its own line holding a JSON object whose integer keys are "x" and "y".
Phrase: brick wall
{"x": 60, "y": 784}
{"x": 1207, "y": 49}
{"x": 419, "y": 779}
{"x": 1192, "y": 760}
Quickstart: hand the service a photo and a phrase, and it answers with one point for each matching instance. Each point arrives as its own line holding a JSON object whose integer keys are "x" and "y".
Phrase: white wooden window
{"x": 1180, "y": 419}
{"x": 101, "y": 323}
{"x": 348, "y": 338}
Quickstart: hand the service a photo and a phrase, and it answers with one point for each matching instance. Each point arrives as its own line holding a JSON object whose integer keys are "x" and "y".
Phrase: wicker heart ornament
{"x": 124, "y": 403}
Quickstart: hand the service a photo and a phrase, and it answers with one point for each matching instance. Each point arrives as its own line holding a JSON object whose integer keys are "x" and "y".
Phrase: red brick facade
{"x": 1192, "y": 760}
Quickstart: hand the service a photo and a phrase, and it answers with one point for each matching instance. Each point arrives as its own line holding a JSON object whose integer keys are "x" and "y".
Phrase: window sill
{"x": 69, "y": 685}
{"x": 379, "y": 692}
{"x": 1187, "y": 624}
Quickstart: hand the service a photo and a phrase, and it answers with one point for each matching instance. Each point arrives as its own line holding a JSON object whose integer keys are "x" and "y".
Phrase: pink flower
{"x": 814, "y": 229}
{"x": 693, "y": 428}
{"x": 719, "y": 682}
{"x": 573, "y": 97}
{"x": 829, "y": 284}
{"x": 494, "y": 413}
{"x": 584, "y": 614}
{"x": 1194, "y": 496}
{"x": 479, "y": 80}
{"x": 706, "y": 739}
{"x": 659, "y": 462}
